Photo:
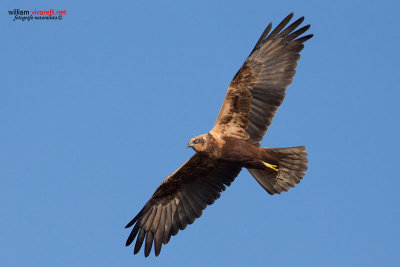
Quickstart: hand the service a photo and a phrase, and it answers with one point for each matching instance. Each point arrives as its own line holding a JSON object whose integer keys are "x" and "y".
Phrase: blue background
{"x": 96, "y": 110}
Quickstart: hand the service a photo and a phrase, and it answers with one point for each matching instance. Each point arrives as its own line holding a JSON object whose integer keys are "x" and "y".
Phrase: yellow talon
{"x": 274, "y": 167}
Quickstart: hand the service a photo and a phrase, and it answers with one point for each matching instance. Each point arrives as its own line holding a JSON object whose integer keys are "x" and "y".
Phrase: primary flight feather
{"x": 253, "y": 97}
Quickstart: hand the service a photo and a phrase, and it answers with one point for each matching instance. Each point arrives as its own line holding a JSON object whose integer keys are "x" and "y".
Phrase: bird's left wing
{"x": 258, "y": 88}
{"x": 179, "y": 200}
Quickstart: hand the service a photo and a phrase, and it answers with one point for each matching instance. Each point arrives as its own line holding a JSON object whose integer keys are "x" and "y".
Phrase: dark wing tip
{"x": 132, "y": 235}
{"x": 266, "y": 35}
{"x": 280, "y": 26}
{"x": 298, "y": 22}
{"x": 305, "y": 38}
{"x": 133, "y": 220}
{"x": 148, "y": 243}
{"x": 262, "y": 37}
{"x": 286, "y": 20}
{"x": 139, "y": 241}
{"x": 157, "y": 250}
{"x": 290, "y": 16}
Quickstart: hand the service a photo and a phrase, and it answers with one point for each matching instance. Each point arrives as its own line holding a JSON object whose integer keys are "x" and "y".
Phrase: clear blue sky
{"x": 96, "y": 110}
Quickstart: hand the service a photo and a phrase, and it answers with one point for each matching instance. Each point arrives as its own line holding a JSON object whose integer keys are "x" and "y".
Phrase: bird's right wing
{"x": 179, "y": 200}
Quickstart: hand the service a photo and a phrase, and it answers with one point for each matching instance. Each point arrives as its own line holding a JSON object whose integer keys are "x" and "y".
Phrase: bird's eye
{"x": 196, "y": 141}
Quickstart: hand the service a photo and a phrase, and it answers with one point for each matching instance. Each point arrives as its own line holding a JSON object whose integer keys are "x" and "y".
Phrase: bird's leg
{"x": 271, "y": 166}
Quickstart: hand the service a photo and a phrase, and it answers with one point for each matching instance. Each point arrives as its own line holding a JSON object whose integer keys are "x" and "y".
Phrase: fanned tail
{"x": 290, "y": 168}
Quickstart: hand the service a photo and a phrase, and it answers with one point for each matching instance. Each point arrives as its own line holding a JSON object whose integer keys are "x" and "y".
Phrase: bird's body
{"x": 241, "y": 152}
{"x": 233, "y": 150}
{"x": 253, "y": 97}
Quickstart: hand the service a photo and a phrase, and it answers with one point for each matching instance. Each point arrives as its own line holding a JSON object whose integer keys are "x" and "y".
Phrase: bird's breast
{"x": 236, "y": 150}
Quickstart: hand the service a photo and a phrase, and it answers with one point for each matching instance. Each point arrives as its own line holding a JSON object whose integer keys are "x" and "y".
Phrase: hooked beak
{"x": 190, "y": 144}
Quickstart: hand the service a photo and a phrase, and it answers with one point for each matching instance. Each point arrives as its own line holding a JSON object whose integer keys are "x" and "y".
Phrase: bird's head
{"x": 198, "y": 143}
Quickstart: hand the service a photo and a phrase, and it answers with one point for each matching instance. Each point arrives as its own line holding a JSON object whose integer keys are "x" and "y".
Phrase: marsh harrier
{"x": 253, "y": 97}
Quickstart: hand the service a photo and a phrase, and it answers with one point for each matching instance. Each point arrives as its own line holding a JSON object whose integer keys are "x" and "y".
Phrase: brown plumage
{"x": 253, "y": 97}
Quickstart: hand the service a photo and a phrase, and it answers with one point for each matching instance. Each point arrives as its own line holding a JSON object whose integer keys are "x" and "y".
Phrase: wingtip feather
{"x": 132, "y": 235}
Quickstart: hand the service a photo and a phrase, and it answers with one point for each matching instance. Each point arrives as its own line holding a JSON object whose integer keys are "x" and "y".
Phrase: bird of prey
{"x": 253, "y": 97}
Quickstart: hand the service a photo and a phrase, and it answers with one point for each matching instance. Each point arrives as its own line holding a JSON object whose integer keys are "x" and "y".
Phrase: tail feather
{"x": 292, "y": 164}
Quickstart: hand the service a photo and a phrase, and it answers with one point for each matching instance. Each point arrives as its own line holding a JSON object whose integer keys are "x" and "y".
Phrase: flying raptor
{"x": 253, "y": 97}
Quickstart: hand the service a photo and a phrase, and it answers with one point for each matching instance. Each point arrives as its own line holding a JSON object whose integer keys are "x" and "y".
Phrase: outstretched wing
{"x": 258, "y": 88}
{"x": 179, "y": 200}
